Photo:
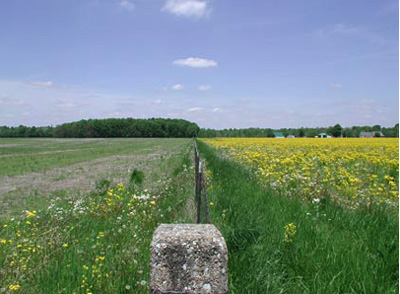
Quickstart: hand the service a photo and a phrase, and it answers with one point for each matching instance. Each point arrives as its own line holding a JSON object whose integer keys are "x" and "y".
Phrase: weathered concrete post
{"x": 188, "y": 258}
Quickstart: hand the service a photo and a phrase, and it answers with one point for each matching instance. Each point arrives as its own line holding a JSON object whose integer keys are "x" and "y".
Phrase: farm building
{"x": 371, "y": 134}
{"x": 291, "y": 136}
{"x": 323, "y": 135}
{"x": 278, "y": 135}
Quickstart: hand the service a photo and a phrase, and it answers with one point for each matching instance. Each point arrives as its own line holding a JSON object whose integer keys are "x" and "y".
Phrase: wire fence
{"x": 203, "y": 211}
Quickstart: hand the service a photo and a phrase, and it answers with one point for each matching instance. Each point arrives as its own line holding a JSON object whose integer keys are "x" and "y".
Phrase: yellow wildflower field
{"x": 354, "y": 172}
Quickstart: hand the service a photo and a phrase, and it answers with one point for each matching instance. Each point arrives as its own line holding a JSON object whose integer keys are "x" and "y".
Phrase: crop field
{"x": 306, "y": 215}
{"x": 77, "y": 215}
{"x": 353, "y": 172}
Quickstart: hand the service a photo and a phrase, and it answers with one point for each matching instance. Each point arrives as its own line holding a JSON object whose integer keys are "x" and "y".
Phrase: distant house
{"x": 278, "y": 135}
{"x": 323, "y": 135}
{"x": 290, "y": 136}
{"x": 371, "y": 134}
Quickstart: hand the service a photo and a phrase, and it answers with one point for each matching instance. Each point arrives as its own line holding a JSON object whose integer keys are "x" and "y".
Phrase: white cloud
{"x": 204, "y": 88}
{"x": 42, "y": 84}
{"x": 195, "y": 62}
{"x": 157, "y": 101}
{"x": 177, "y": 87}
{"x": 187, "y": 8}
{"x": 194, "y": 109}
{"x": 127, "y": 5}
{"x": 216, "y": 109}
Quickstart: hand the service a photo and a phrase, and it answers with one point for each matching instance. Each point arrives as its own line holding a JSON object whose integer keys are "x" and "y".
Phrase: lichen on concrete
{"x": 188, "y": 258}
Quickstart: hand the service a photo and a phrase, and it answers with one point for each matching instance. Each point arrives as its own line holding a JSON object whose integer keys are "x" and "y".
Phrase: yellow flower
{"x": 152, "y": 202}
{"x": 211, "y": 203}
{"x": 65, "y": 245}
{"x": 290, "y": 232}
{"x": 14, "y": 287}
{"x": 31, "y": 213}
{"x": 3, "y": 241}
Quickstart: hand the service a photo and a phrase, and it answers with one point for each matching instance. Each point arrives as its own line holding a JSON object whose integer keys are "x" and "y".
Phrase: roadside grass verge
{"x": 285, "y": 245}
{"x": 95, "y": 243}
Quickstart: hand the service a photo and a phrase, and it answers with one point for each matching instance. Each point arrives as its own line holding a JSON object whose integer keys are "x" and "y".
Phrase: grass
{"x": 330, "y": 250}
{"x": 78, "y": 241}
{"x": 98, "y": 241}
{"x": 38, "y": 155}
{"x": 28, "y": 179}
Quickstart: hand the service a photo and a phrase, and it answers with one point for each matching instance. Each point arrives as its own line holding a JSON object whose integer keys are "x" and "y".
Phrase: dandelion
{"x": 14, "y": 287}
{"x": 127, "y": 287}
{"x": 30, "y": 213}
{"x": 290, "y": 232}
{"x": 211, "y": 203}
{"x": 65, "y": 245}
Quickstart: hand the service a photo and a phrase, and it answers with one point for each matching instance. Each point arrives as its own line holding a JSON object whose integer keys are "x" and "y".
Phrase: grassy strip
{"x": 283, "y": 245}
{"x": 93, "y": 244}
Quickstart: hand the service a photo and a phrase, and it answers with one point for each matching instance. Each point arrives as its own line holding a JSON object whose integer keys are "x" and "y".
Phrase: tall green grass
{"x": 334, "y": 250}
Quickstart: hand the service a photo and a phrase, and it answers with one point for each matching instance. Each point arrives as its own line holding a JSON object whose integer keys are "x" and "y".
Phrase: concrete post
{"x": 188, "y": 258}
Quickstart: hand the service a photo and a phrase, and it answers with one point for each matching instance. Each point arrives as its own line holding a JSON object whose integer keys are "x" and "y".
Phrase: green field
{"x": 32, "y": 169}
{"x": 68, "y": 225}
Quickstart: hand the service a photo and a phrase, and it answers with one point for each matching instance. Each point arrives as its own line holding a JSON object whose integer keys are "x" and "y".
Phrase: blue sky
{"x": 220, "y": 63}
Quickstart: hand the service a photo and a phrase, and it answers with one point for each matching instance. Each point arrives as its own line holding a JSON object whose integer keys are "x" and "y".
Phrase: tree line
{"x": 334, "y": 131}
{"x": 177, "y": 128}
{"x": 109, "y": 128}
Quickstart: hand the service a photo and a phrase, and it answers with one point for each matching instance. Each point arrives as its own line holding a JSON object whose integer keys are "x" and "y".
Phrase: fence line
{"x": 190, "y": 258}
{"x": 201, "y": 188}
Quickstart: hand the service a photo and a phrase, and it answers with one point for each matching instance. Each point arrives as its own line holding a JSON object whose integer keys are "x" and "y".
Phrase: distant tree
{"x": 336, "y": 130}
{"x": 376, "y": 128}
{"x": 311, "y": 133}
{"x": 270, "y": 133}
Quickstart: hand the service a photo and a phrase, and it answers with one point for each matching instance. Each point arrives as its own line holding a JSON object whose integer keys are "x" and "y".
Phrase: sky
{"x": 219, "y": 63}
